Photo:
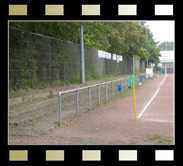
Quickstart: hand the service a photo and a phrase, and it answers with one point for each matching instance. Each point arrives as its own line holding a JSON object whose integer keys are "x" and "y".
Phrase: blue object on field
{"x": 141, "y": 79}
{"x": 120, "y": 86}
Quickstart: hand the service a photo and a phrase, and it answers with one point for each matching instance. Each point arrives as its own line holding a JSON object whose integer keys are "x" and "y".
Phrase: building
{"x": 166, "y": 58}
{"x": 166, "y": 61}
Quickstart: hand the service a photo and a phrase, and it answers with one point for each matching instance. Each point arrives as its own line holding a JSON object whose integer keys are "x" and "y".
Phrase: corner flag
{"x": 132, "y": 84}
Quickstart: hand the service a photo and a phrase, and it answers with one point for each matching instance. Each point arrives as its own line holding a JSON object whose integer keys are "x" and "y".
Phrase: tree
{"x": 166, "y": 46}
{"x": 96, "y": 35}
{"x": 152, "y": 48}
{"x": 123, "y": 38}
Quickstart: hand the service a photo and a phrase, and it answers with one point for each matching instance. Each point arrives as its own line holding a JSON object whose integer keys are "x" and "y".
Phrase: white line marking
{"x": 163, "y": 79}
{"x": 151, "y": 98}
{"x": 156, "y": 120}
{"x": 148, "y": 104}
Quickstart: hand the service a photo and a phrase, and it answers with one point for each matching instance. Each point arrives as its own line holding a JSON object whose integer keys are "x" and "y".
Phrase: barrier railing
{"x": 138, "y": 78}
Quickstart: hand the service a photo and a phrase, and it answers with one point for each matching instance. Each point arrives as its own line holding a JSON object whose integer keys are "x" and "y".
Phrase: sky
{"x": 162, "y": 30}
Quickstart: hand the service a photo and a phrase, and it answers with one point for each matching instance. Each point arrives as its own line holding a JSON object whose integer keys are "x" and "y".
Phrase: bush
{"x": 94, "y": 72}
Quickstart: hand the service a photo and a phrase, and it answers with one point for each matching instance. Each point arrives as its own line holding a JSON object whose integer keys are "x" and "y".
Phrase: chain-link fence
{"x": 37, "y": 61}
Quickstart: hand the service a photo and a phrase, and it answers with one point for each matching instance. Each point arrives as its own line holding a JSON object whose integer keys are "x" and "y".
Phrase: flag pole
{"x": 132, "y": 84}
{"x": 134, "y": 99}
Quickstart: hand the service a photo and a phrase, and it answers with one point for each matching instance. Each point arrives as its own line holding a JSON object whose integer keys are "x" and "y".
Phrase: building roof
{"x": 167, "y": 61}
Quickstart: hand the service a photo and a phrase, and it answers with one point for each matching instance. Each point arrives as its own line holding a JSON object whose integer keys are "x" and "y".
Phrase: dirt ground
{"x": 114, "y": 123}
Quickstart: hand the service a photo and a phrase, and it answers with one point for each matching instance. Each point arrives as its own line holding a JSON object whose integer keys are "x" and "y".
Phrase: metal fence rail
{"x": 89, "y": 97}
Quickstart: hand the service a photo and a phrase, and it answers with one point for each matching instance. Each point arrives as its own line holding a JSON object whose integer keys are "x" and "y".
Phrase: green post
{"x": 161, "y": 71}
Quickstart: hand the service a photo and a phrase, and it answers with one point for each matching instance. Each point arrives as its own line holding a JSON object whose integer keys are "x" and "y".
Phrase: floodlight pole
{"x": 82, "y": 62}
{"x": 147, "y": 39}
{"x": 133, "y": 65}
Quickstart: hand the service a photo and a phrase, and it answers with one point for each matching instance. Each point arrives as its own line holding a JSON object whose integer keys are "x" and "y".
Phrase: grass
{"x": 160, "y": 139}
{"x": 105, "y": 78}
{"x": 96, "y": 130}
{"x": 16, "y": 94}
{"x": 155, "y": 137}
{"x": 133, "y": 142}
{"x": 57, "y": 123}
{"x": 50, "y": 96}
{"x": 117, "y": 142}
{"x": 43, "y": 134}
{"x": 95, "y": 141}
{"x": 89, "y": 80}
{"x": 85, "y": 141}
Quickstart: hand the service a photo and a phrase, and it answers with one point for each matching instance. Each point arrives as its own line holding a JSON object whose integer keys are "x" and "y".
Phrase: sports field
{"x": 114, "y": 123}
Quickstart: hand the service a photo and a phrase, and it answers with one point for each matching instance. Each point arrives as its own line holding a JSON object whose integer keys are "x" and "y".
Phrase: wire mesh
{"x": 37, "y": 61}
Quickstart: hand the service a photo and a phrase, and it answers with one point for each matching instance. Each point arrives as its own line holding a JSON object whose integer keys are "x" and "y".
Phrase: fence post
{"x": 125, "y": 84}
{"x": 117, "y": 87}
{"x": 64, "y": 68}
{"x": 121, "y": 86}
{"x": 50, "y": 64}
{"x": 82, "y": 60}
{"x": 60, "y": 115}
{"x": 89, "y": 98}
{"x": 31, "y": 60}
{"x": 98, "y": 94}
{"x": 112, "y": 90}
{"x": 106, "y": 92}
{"x": 77, "y": 104}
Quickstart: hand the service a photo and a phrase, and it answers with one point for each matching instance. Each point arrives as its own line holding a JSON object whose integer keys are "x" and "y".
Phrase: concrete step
{"x": 32, "y": 115}
{"x": 23, "y": 110}
{"x": 37, "y": 95}
{"x": 28, "y": 113}
{"x": 29, "y": 98}
{"x": 31, "y": 112}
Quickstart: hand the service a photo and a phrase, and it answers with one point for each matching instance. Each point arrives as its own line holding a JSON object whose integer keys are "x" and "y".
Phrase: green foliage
{"x": 137, "y": 57}
{"x": 94, "y": 72}
{"x": 144, "y": 53}
{"x": 150, "y": 50}
{"x": 137, "y": 71}
{"x": 166, "y": 46}
{"x": 155, "y": 68}
{"x": 159, "y": 138}
{"x": 96, "y": 35}
{"x": 126, "y": 37}
{"x": 24, "y": 74}
{"x": 117, "y": 72}
{"x": 41, "y": 84}
{"x": 74, "y": 79}
{"x": 122, "y": 38}
{"x": 57, "y": 82}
